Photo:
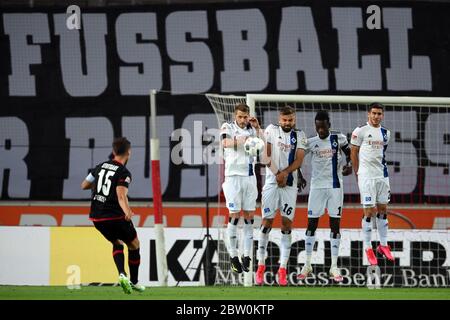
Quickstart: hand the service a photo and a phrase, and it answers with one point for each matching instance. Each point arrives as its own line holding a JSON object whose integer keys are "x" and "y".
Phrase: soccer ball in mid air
{"x": 254, "y": 146}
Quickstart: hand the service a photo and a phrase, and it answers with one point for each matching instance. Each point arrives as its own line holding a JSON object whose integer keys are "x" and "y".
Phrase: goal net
{"x": 418, "y": 159}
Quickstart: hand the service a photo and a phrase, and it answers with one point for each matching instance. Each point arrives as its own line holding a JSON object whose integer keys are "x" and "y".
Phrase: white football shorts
{"x": 274, "y": 198}
{"x": 330, "y": 199}
{"x": 374, "y": 191}
{"x": 240, "y": 193}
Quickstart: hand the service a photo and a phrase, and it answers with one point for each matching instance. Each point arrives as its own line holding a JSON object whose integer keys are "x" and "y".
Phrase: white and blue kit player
{"x": 368, "y": 154}
{"x": 285, "y": 149}
{"x": 326, "y": 189}
{"x": 240, "y": 186}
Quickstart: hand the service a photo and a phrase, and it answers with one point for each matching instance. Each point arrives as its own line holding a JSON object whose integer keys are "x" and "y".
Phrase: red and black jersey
{"x": 104, "y": 205}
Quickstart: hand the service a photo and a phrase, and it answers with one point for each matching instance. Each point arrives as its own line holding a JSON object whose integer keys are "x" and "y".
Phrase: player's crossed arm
{"x": 297, "y": 163}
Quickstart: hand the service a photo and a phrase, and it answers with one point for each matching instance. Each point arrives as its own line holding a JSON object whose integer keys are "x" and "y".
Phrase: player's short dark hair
{"x": 121, "y": 146}
{"x": 287, "y": 110}
{"x": 322, "y": 115}
{"x": 242, "y": 107}
{"x": 375, "y": 105}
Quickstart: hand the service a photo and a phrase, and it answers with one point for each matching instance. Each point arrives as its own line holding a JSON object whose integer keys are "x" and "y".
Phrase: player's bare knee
{"x": 286, "y": 224}
{"x": 248, "y": 215}
{"x": 266, "y": 226}
{"x": 134, "y": 245}
{"x": 312, "y": 226}
{"x": 235, "y": 214}
{"x": 267, "y": 223}
{"x": 233, "y": 220}
{"x": 381, "y": 208}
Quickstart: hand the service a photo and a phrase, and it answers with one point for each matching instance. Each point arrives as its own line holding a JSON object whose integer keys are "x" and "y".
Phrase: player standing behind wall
{"x": 285, "y": 149}
{"x": 111, "y": 212}
{"x": 240, "y": 186}
{"x": 326, "y": 191}
{"x": 369, "y": 144}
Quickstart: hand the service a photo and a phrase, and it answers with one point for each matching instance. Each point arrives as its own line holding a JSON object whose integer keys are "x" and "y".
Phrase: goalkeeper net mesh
{"x": 418, "y": 158}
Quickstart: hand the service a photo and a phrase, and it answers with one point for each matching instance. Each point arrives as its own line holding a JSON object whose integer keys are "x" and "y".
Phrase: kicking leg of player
{"x": 335, "y": 239}
{"x": 119, "y": 260}
{"x": 232, "y": 240}
{"x": 248, "y": 239}
{"x": 309, "y": 247}
{"x": 382, "y": 226}
{"x": 266, "y": 226}
{"x": 285, "y": 250}
{"x": 134, "y": 260}
{"x": 118, "y": 256}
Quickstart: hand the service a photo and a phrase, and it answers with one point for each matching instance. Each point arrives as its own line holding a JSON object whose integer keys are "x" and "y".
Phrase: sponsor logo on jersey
{"x": 368, "y": 198}
{"x": 335, "y": 144}
{"x": 309, "y": 212}
{"x": 293, "y": 140}
{"x": 231, "y": 205}
{"x": 266, "y": 210}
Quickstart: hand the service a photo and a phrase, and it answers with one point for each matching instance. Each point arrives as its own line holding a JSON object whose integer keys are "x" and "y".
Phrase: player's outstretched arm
{"x": 122, "y": 197}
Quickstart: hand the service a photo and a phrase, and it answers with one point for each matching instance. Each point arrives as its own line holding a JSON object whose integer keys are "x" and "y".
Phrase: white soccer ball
{"x": 254, "y": 146}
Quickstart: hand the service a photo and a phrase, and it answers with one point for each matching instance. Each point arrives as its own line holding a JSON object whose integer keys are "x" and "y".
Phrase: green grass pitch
{"x": 222, "y": 293}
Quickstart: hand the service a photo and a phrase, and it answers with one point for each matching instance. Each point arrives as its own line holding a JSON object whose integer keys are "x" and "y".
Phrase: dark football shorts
{"x": 114, "y": 230}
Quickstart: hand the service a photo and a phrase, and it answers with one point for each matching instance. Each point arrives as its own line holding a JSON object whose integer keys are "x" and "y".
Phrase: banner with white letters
{"x": 66, "y": 92}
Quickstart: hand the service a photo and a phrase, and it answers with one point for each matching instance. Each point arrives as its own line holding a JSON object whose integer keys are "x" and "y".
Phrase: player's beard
{"x": 242, "y": 125}
{"x": 286, "y": 128}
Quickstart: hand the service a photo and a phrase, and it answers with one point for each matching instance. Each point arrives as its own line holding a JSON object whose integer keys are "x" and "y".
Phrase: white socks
{"x": 248, "y": 236}
{"x": 262, "y": 245}
{"x": 285, "y": 250}
{"x": 335, "y": 241}
{"x": 309, "y": 246}
{"x": 232, "y": 237}
{"x": 382, "y": 226}
{"x": 366, "y": 225}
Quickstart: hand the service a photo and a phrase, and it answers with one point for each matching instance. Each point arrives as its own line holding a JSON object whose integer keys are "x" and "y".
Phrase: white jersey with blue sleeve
{"x": 372, "y": 144}
{"x": 326, "y": 156}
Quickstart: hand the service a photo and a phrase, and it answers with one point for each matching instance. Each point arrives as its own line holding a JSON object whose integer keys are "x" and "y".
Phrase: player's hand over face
{"x": 347, "y": 170}
{"x": 254, "y": 122}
